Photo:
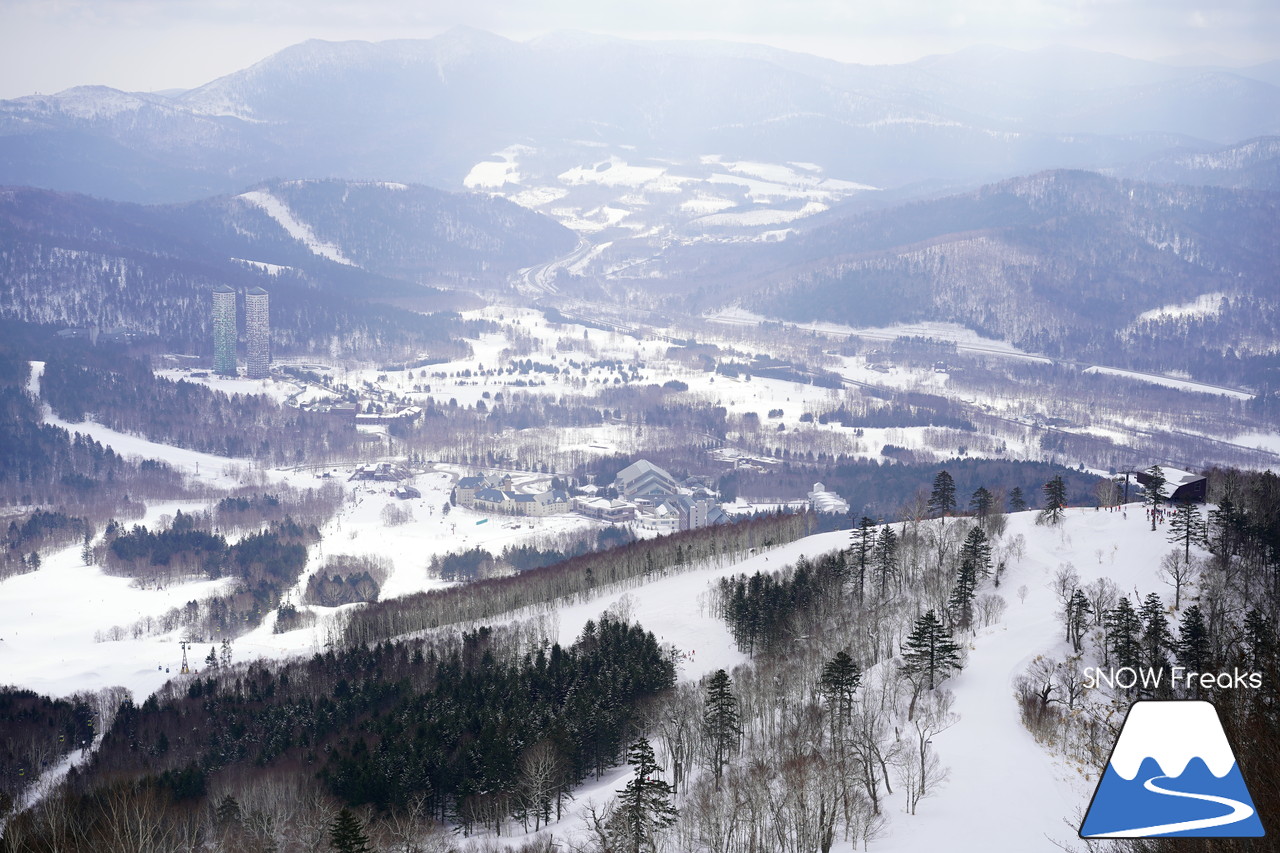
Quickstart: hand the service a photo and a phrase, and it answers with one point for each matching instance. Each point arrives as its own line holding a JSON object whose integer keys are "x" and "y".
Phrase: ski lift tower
{"x": 184, "y": 643}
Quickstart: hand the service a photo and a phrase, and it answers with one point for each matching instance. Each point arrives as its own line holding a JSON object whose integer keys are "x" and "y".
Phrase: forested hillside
{"x": 1062, "y": 263}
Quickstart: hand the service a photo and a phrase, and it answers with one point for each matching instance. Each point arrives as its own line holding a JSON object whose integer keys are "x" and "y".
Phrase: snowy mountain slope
{"x": 988, "y": 751}
{"x": 1252, "y": 164}
{"x": 68, "y": 255}
{"x": 1055, "y": 262}
{"x": 429, "y": 111}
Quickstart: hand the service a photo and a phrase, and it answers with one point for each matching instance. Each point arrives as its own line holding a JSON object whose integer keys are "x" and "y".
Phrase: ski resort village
{"x": 585, "y": 444}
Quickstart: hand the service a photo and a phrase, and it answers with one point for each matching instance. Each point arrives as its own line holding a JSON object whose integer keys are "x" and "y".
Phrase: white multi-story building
{"x": 257, "y": 324}
{"x": 224, "y": 330}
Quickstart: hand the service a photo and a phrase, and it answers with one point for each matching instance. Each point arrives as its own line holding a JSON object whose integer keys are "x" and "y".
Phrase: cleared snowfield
{"x": 1202, "y": 306}
{"x": 1264, "y": 440}
{"x": 1171, "y": 382}
{"x": 298, "y": 230}
{"x": 49, "y": 619}
{"x": 964, "y": 338}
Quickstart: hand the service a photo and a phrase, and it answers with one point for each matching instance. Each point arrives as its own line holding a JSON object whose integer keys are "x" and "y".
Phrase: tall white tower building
{"x": 257, "y": 325}
{"x": 224, "y": 330}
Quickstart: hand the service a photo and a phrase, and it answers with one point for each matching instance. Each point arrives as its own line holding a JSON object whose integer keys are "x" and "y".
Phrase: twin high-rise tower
{"x": 257, "y": 323}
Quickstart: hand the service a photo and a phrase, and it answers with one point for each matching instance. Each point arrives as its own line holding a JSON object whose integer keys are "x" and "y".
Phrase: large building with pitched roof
{"x": 643, "y": 479}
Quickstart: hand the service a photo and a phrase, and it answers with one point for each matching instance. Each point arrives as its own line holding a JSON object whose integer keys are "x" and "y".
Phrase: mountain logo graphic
{"x": 1172, "y": 774}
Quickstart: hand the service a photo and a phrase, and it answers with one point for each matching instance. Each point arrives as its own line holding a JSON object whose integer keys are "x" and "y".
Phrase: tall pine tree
{"x": 644, "y": 805}
{"x": 1154, "y": 491}
{"x": 721, "y": 730}
{"x": 962, "y": 594}
{"x": 346, "y": 834}
{"x": 1186, "y": 527}
{"x": 942, "y": 500}
{"x": 981, "y": 502}
{"x": 1124, "y": 635}
{"x": 1055, "y": 500}
{"x": 860, "y": 554}
{"x": 1157, "y": 641}
{"x": 929, "y": 650}
{"x": 1017, "y": 503}
{"x": 1194, "y": 649}
{"x": 837, "y": 684}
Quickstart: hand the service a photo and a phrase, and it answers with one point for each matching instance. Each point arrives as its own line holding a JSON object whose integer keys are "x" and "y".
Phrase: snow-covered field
{"x": 1005, "y": 791}
{"x": 607, "y": 194}
{"x": 50, "y": 618}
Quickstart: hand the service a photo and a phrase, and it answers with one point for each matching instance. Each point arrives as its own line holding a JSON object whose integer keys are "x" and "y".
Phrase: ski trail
{"x": 1239, "y": 812}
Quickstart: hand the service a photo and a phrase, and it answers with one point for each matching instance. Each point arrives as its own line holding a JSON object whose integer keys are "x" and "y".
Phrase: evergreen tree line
{"x": 265, "y": 563}
{"x": 130, "y": 398}
{"x": 898, "y": 414}
{"x": 35, "y": 732}
{"x": 479, "y": 729}
{"x": 62, "y": 482}
{"x": 884, "y": 491}
{"x": 851, "y": 653}
{"x": 41, "y": 530}
{"x": 575, "y": 578}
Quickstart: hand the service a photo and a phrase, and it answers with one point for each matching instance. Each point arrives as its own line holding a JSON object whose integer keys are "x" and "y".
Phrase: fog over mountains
{"x": 704, "y": 174}
{"x": 429, "y": 110}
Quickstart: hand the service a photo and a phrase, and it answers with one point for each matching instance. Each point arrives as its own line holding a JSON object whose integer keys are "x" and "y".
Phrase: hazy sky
{"x": 49, "y": 45}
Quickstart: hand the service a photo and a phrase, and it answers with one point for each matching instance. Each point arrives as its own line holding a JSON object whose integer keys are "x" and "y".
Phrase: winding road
{"x": 1239, "y": 811}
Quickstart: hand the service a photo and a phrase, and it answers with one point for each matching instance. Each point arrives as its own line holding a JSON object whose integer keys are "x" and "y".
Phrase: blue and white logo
{"x": 1172, "y": 774}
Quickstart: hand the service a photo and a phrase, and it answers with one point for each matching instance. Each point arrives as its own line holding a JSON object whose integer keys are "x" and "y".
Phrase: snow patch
{"x": 761, "y": 216}
{"x": 298, "y": 230}
{"x": 270, "y": 269}
{"x": 1202, "y": 306}
{"x": 614, "y": 172}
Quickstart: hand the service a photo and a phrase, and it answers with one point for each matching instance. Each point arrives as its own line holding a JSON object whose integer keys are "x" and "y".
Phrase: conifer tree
{"x": 1194, "y": 650}
{"x": 838, "y": 682}
{"x": 1017, "y": 503}
{"x": 1078, "y": 612}
{"x": 1260, "y": 641}
{"x": 930, "y": 651}
{"x": 720, "y": 726}
{"x": 644, "y": 805}
{"x": 1156, "y": 638}
{"x": 942, "y": 501}
{"x": 346, "y": 834}
{"x": 886, "y": 558}
{"x": 227, "y": 813}
{"x": 1185, "y": 527}
{"x": 860, "y": 552}
{"x": 981, "y": 502}
{"x": 1154, "y": 491}
{"x": 976, "y": 550}
{"x": 1055, "y": 500}
{"x": 1225, "y": 527}
{"x": 962, "y": 594}
{"x": 1124, "y": 634}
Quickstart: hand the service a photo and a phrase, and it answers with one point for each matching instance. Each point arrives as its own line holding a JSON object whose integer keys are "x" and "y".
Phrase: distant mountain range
{"x": 694, "y": 173}
{"x": 428, "y": 111}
